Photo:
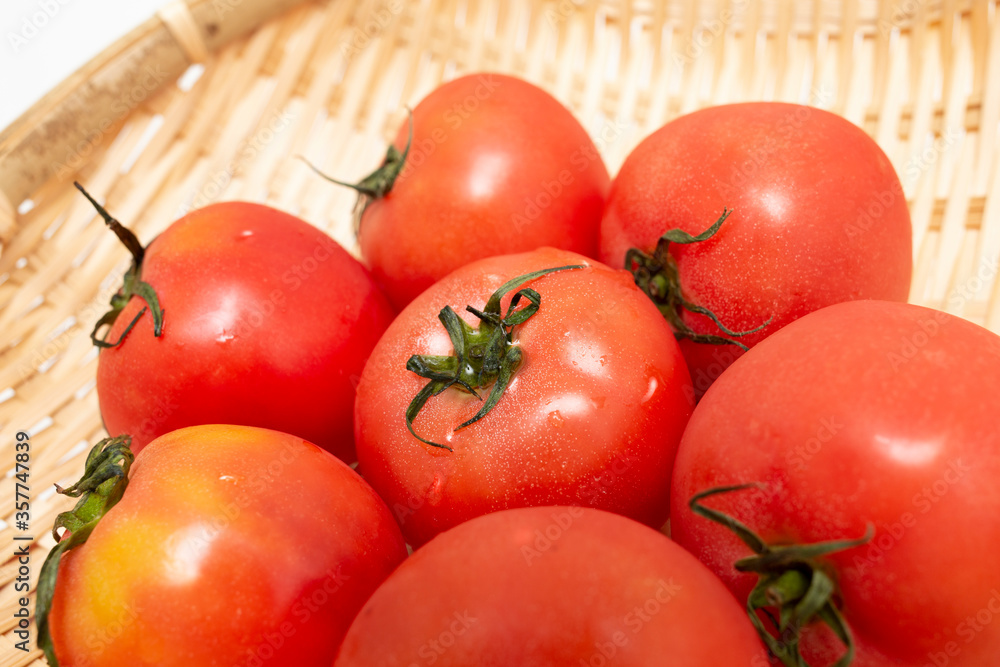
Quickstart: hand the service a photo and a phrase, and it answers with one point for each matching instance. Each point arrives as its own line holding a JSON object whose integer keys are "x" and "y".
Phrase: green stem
{"x": 484, "y": 357}
{"x": 104, "y": 480}
{"x": 657, "y": 275}
{"x": 377, "y": 184}
{"x": 132, "y": 284}
{"x": 793, "y": 589}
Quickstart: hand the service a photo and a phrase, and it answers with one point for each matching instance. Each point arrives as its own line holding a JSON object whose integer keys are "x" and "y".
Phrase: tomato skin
{"x": 497, "y": 166}
{"x": 600, "y": 589}
{"x": 267, "y": 322}
{"x": 819, "y": 217}
{"x": 592, "y": 416}
{"x": 863, "y": 413}
{"x": 229, "y": 542}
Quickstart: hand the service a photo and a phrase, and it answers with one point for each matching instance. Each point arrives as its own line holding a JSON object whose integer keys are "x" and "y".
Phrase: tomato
{"x": 817, "y": 217}
{"x": 496, "y": 166}
{"x": 591, "y": 416}
{"x": 267, "y": 322}
{"x": 863, "y": 415}
{"x": 231, "y": 545}
{"x": 551, "y": 586}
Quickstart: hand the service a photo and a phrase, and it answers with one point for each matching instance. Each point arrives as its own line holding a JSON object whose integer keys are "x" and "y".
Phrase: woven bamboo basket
{"x": 212, "y": 100}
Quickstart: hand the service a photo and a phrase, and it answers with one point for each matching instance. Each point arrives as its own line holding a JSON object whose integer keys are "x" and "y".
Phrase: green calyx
{"x": 377, "y": 184}
{"x": 794, "y": 588}
{"x": 104, "y": 480}
{"x": 483, "y": 357}
{"x": 132, "y": 285}
{"x": 658, "y": 277}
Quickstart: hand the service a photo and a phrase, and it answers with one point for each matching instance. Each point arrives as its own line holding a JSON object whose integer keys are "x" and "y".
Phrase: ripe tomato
{"x": 231, "y": 545}
{"x": 546, "y": 586}
{"x": 267, "y": 322}
{"x": 817, "y": 217}
{"x": 496, "y": 166}
{"x": 592, "y": 415}
{"x": 863, "y": 414}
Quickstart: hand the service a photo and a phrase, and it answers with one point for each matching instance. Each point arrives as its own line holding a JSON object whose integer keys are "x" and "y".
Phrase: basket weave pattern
{"x": 329, "y": 81}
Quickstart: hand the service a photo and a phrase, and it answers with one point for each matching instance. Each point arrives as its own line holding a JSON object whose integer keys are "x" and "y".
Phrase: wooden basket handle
{"x": 60, "y": 129}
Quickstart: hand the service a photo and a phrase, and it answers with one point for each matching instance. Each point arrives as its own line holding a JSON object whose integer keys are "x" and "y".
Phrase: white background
{"x": 56, "y": 45}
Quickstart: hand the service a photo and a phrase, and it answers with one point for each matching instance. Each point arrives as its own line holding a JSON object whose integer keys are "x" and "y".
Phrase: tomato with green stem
{"x": 814, "y": 215}
{"x": 531, "y": 379}
{"x": 868, "y": 431}
{"x": 218, "y": 545}
{"x": 487, "y": 165}
{"x": 237, "y": 313}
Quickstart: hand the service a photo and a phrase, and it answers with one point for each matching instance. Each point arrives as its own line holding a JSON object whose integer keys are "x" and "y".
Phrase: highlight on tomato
{"x": 741, "y": 218}
{"x": 531, "y": 379}
{"x": 551, "y": 586}
{"x": 237, "y": 314}
{"x": 219, "y": 545}
{"x": 841, "y": 478}
{"x": 487, "y": 164}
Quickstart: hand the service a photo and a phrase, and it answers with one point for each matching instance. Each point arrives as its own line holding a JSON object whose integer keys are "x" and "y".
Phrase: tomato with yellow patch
{"x": 231, "y": 545}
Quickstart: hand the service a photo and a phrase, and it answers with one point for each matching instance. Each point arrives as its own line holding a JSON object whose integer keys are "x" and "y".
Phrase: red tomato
{"x": 818, "y": 217}
{"x": 591, "y": 417}
{"x": 496, "y": 166}
{"x": 231, "y": 545}
{"x": 544, "y": 586}
{"x": 267, "y": 322}
{"x": 863, "y": 414}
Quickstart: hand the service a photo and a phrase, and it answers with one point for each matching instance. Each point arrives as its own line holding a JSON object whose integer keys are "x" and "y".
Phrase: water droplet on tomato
{"x": 556, "y": 419}
{"x": 650, "y": 390}
{"x": 436, "y": 490}
{"x": 245, "y": 234}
